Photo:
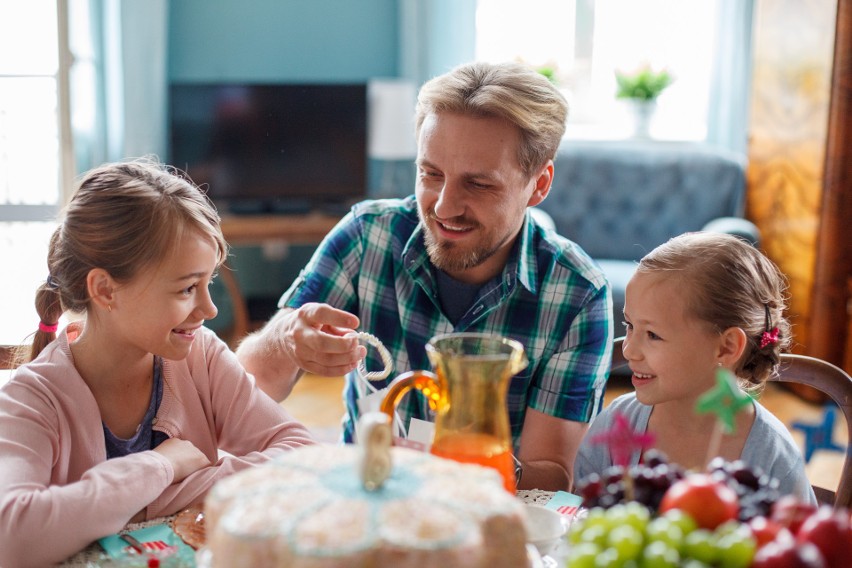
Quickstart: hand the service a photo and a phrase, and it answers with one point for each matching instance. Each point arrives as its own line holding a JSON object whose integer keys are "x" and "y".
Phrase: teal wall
{"x": 282, "y": 40}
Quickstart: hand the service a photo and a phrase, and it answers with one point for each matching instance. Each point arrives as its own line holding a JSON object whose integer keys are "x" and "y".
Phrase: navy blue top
{"x": 145, "y": 438}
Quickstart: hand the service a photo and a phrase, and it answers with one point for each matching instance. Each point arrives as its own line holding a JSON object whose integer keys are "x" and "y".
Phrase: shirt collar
{"x": 527, "y": 267}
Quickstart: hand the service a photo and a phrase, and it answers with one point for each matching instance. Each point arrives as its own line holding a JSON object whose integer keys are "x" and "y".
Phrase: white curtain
{"x": 727, "y": 117}
{"x": 119, "y": 91}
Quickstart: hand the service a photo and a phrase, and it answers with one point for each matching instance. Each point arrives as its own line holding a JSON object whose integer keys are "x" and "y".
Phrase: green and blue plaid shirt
{"x": 551, "y": 297}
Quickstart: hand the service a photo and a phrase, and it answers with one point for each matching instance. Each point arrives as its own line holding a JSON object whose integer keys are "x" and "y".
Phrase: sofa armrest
{"x": 737, "y": 226}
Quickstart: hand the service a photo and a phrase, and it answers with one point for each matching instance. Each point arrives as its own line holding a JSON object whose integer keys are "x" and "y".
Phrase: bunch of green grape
{"x": 628, "y": 536}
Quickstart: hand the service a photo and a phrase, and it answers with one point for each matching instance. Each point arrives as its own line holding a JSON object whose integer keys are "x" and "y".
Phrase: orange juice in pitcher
{"x": 468, "y": 391}
{"x": 481, "y": 449}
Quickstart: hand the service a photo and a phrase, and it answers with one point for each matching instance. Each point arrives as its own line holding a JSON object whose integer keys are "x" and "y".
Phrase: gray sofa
{"x": 619, "y": 200}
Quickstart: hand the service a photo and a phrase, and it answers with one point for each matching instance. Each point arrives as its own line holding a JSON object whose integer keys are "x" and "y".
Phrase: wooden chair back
{"x": 837, "y": 384}
{"x": 826, "y": 378}
{"x": 7, "y": 356}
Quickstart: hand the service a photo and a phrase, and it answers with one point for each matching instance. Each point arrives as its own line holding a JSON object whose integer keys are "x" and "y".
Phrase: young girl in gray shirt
{"x": 697, "y": 303}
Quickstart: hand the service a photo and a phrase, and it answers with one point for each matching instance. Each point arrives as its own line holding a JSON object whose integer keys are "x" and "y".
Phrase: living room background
{"x": 127, "y": 52}
{"x": 134, "y": 49}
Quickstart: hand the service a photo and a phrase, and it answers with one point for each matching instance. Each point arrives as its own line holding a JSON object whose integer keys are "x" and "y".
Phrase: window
{"x": 32, "y": 163}
{"x": 586, "y": 41}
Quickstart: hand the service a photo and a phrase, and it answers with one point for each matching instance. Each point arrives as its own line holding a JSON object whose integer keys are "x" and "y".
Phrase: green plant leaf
{"x": 644, "y": 84}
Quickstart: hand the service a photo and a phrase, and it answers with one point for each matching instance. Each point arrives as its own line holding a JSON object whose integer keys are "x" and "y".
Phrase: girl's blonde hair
{"x": 123, "y": 217}
{"x": 511, "y": 91}
{"x": 729, "y": 283}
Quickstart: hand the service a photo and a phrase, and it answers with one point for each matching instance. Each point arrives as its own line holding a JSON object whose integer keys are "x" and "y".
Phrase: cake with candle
{"x": 353, "y": 505}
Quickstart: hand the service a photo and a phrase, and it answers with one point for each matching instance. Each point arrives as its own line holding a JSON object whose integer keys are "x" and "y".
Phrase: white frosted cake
{"x": 309, "y": 508}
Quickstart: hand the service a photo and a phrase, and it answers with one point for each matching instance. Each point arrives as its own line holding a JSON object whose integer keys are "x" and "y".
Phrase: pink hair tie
{"x": 48, "y": 327}
{"x": 769, "y": 337}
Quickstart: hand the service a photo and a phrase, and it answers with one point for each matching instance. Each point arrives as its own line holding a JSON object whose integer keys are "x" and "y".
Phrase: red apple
{"x": 788, "y": 554}
{"x": 829, "y": 531}
{"x": 708, "y": 501}
{"x": 766, "y": 530}
{"x": 790, "y": 512}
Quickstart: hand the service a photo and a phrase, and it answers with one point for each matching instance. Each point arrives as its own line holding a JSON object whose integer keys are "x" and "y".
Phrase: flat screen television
{"x": 272, "y": 148}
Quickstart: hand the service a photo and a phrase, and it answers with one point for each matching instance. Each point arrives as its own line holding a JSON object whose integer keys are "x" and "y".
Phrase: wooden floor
{"x": 316, "y": 401}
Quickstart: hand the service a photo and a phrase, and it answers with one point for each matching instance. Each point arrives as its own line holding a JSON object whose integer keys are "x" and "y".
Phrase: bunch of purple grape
{"x": 649, "y": 479}
{"x": 756, "y": 490}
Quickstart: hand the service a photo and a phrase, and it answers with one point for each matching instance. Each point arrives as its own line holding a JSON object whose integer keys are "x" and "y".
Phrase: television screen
{"x": 272, "y": 148}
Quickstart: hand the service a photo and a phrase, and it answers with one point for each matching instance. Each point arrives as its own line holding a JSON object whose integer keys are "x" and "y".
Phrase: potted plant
{"x": 641, "y": 88}
{"x": 645, "y": 84}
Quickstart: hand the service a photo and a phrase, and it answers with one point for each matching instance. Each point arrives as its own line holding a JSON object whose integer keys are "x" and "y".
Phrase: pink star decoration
{"x": 623, "y": 440}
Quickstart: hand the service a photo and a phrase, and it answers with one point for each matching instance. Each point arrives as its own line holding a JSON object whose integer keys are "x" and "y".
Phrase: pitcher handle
{"x": 424, "y": 381}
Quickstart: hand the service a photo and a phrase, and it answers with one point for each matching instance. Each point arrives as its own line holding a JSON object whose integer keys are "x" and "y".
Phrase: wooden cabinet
{"x": 296, "y": 229}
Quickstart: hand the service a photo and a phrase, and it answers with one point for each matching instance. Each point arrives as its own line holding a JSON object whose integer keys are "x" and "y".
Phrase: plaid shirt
{"x": 551, "y": 297}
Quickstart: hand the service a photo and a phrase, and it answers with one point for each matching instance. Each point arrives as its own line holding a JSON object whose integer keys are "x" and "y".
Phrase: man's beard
{"x": 451, "y": 257}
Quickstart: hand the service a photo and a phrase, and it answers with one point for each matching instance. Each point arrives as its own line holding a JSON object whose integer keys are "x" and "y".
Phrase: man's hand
{"x": 316, "y": 338}
{"x": 184, "y": 457}
{"x": 321, "y": 339}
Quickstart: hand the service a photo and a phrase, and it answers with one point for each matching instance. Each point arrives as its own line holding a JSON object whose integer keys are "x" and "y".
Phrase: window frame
{"x": 12, "y": 212}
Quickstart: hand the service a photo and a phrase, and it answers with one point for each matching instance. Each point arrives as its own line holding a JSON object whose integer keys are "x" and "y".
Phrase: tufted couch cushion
{"x": 619, "y": 200}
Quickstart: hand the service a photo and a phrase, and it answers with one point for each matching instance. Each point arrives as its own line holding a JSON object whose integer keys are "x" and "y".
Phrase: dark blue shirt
{"x": 145, "y": 438}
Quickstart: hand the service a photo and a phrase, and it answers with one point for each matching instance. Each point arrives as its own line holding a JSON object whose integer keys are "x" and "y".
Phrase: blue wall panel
{"x": 282, "y": 40}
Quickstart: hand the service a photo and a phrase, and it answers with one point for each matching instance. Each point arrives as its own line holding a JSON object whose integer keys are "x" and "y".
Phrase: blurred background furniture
{"x": 618, "y": 200}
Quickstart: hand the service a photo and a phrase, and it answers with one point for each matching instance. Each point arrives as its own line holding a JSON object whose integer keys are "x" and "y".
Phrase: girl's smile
{"x": 639, "y": 380}
{"x": 187, "y": 333}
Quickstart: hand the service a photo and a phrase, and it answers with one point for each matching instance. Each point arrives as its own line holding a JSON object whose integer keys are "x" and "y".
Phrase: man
{"x": 463, "y": 254}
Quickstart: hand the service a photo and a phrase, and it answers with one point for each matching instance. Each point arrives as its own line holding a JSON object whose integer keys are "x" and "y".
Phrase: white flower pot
{"x": 643, "y": 114}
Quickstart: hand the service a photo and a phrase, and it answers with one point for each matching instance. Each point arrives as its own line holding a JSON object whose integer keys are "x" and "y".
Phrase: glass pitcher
{"x": 468, "y": 393}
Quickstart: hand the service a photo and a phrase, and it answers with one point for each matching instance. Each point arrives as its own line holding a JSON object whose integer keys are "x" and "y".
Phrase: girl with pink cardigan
{"x": 121, "y": 417}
